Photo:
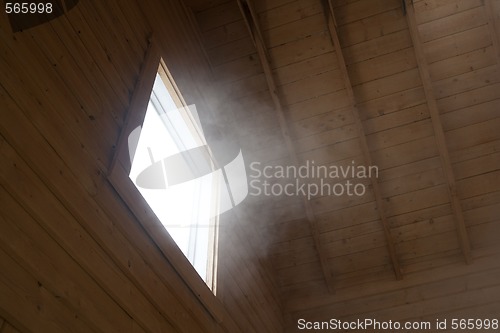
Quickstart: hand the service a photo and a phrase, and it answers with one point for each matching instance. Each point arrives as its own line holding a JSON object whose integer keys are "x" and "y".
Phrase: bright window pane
{"x": 174, "y": 173}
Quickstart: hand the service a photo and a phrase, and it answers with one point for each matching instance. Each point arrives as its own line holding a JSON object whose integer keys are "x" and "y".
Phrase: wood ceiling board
{"x": 452, "y": 24}
{"x": 432, "y": 11}
{"x": 457, "y": 44}
{"x": 471, "y": 61}
{"x": 469, "y": 98}
{"x": 290, "y": 12}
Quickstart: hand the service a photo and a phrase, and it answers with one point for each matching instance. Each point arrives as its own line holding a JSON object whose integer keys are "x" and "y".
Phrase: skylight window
{"x": 173, "y": 169}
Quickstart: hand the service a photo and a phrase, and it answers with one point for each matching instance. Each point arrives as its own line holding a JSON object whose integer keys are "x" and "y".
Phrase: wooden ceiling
{"x": 412, "y": 87}
{"x": 414, "y": 91}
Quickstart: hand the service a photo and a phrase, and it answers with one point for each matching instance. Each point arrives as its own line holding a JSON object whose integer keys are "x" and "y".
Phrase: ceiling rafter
{"x": 439, "y": 133}
{"x": 252, "y": 24}
{"x": 332, "y": 27}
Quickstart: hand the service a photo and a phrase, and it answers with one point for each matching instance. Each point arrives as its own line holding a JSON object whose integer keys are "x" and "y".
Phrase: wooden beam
{"x": 439, "y": 133}
{"x": 332, "y": 27}
{"x": 252, "y": 24}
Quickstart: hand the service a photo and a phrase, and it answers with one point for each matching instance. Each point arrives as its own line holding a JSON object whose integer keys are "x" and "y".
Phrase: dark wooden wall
{"x": 73, "y": 258}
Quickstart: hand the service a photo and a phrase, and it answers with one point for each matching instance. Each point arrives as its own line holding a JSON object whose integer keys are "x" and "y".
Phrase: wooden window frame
{"x": 118, "y": 177}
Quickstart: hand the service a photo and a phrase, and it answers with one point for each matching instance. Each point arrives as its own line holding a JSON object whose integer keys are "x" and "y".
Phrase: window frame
{"x": 118, "y": 177}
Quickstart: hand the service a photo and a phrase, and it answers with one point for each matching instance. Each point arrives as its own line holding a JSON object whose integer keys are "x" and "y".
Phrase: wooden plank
{"x": 346, "y": 217}
{"x": 371, "y": 27}
{"x": 425, "y": 228}
{"x": 474, "y": 134}
{"x": 250, "y": 276}
{"x": 479, "y": 185}
{"x": 485, "y": 235}
{"x": 469, "y": 98}
{"x": 470, "y": 115}
{"x": 392, "y": 103}
{"x": 435, "y": 10}
{"x": 299, "y": 50}
{"x": 450, "y": 25}
{"x": 223, "y": 35}
{"x": 76, "y": 24}
{"x": 30, "y": 306}
{"x": 231, "y": 271}
{"x": 399, "y": 135}
{"x": 314, "y": 298}
{"x": 289, "y": 32}
{"x": 355, "y": 230}
{"x": 30, "y": 246}
{"x": 124, "y": 50}
{"x": 439, "y": 134}
{"x": 61, "y": 102}
{"x": 406, "y": 153}
{"x": 357, "y": 243}
{"x": 58, "y": 135}
{"x": 384, "y": 44}
{"x": 467, "y": 81}
{"x": 417, "y": 200}
{"x": 396, "y": 119}
{"x": 302, "y": 90}
{"x": 238, "y": 69}
{"x": 381, "y": 66}
{"x": 294, "y": 252}
{"x": 334, "y": 152}
{"x": 245, "y": 87}
{"x": 291, "y": 12}
{"x": 335, "y": 203}
{"x": 438, "y": 242}
{"x": 321, "y": 123}
{"x": 251, "y": 20}
{"x": 112, "y": 102}
{"x": 318, "y": 105}
{"x": 288, "y": 230}
{"x": 483, "y": 214}
{"x": 475, "y": 151}
{"x": 358, "y": 10}
{"x": 391, "y": 304}
{"x": 234, "y": 302}
{"x": 269, "y": 5}
{"x": 478, "y": 166}
{"x": 309, "y": 67}
{"x": 62, "y": 225}
{"x": 387, "y": 85}
{"x": 409, "y": 169}
{"x": 362, "y": 260}
{"x": 457, "y": 44}
{"x": 89, "y": 111}
{"x": 217, "y": 16}
{"x": 337, "y": 135}
{"x": 463, "y": 63}
{"x": 301, "y": 273}
{"x": 413, "y": 182}
{"x": 240, "y": 48}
